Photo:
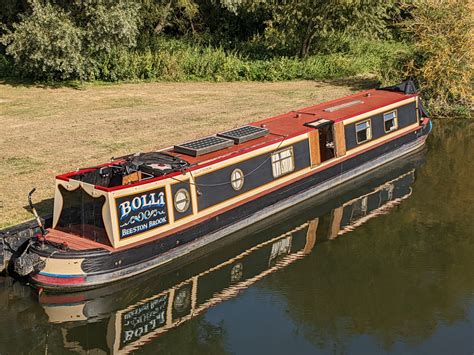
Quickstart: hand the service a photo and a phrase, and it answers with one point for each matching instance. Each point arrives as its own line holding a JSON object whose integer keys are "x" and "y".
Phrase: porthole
{"x": 182, "y": 200}
{"x": 237, "y": 179}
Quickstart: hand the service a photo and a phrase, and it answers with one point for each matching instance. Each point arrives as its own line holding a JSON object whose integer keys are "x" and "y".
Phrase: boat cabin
{"x": 151, "y": 195}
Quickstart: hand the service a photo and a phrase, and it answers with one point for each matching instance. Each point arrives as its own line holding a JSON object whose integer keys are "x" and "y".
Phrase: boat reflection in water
{"x": 131, "y": 314}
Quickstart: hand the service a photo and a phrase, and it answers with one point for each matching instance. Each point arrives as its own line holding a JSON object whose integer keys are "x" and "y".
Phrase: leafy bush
{"x": 174, "y": 60}
{"x": 54, "y": 43}
{"x": 6, "y": 67}
{"x": 46, "y": 44}
{"x": 442, "y": 32}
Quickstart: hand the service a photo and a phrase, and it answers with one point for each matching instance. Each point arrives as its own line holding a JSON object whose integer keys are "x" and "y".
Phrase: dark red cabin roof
{"x": 289, "y": 125}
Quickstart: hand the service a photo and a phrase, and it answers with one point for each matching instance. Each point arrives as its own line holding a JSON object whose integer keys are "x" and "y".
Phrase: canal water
{"x": 384, "y": 264}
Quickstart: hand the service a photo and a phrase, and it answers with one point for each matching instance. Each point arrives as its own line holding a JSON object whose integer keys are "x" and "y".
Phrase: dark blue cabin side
{"x": 214, "y": 187}
{"x": 406, "y": 116}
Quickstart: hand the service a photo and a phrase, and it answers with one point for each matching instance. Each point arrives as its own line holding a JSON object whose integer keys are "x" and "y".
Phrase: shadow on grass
{"x": 355, "y": 84}
{"x": 29, "y": 83}
{"x": 44, "y": 209}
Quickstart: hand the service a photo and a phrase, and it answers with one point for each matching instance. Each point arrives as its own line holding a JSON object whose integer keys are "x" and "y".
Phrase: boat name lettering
{"x": 141, "y": 212}
{"x": 143, "y": 319}
{"x": 141, "y": 202}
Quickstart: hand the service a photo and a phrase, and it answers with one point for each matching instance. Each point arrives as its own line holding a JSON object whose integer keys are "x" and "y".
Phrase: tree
{"x": 442, "y": 32}
{"x": 63, "y": 40}
{"x": 298, "y": 25}
{"x": 46, "y": 43}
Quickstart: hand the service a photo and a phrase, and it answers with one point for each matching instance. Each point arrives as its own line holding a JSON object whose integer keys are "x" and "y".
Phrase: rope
{"x": 244, "y": 176}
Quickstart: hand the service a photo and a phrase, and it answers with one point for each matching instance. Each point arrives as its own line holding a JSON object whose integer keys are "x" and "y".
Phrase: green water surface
{"x": 397, "y": 278}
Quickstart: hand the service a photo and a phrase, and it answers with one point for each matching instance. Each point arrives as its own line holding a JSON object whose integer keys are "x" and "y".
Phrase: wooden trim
{"x": 336, "y": 222}
{"x": 131, "y": 178}
{"x": 311, "y": 236}
{"x": 417, "y": 110}
{"x": 314, "y": 151}
{"x": 340, "y": 139}
{"x": 201, "y": 215}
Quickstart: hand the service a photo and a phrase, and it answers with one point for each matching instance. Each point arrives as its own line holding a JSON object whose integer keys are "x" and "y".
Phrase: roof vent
{"x": 344, "y": 105}
{"x": 203, "y": 146}
{"x": 244, "y": 133}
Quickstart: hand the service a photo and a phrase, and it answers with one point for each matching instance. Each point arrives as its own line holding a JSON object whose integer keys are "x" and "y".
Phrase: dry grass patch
{"x": 46, "y": 131}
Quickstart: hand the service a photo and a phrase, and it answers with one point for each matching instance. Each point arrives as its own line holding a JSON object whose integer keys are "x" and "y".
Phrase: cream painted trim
{"x": 213, "y": 208}
{"x": 246, "y": 156}
{"x": 199, "y": 214}
{"x": 194, "y": 195}
{"x": 65, "y": 313}
{"x": 205, "y": 170}
{"x": 395, "y": 120}
{"x": 373, "y": 142}
{"x": 170, "y": 203}
{"x": 275, "y": 183}
{"x": 139, "y": 189}
{"x": 379, "y": 110}
{"x": 369, "y": 136}
{"x": 114, "y": 221}
{"x": 188, "y": 179}
{"x": 90, "y": 189}
{"x": 63, "y": 266}
{"x": 58, "y": 203}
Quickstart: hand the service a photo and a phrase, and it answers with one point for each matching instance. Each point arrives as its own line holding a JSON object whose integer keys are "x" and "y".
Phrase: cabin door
{"x": 327, "y": 141}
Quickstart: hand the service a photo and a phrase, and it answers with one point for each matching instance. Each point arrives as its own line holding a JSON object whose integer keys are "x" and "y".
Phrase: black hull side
{"x": 97, "y": 266}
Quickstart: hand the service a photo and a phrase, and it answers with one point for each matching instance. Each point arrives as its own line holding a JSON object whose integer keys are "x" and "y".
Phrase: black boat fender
{"x": 27, "y": 263}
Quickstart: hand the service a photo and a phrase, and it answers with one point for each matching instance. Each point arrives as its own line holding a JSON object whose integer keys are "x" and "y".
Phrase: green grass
{"x": 173, "y": 60}
{"x": 178, "y": 61}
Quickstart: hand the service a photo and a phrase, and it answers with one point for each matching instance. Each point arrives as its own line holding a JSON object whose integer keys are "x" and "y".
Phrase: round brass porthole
{"x": 182, "y": 200}
{"x": 237, "y": 179}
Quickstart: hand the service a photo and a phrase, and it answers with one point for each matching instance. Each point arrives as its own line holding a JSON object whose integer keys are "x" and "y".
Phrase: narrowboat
{"x": 141, "y": 211}
{"x": 128, "y": 315}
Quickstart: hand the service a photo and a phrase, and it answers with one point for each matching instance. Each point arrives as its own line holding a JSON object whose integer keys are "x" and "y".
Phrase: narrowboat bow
{"x": 141, "y": 211}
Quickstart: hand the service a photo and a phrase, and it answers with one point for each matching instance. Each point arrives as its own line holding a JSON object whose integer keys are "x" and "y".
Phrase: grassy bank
{"x": 173, "y": 60}
{"x": 178, "y": 61}
{"x": 168, "y": 60}
{"x": 46, "y": 131}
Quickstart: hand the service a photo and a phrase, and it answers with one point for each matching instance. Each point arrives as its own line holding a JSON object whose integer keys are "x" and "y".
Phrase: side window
{"x": 363, "y": 131}
{"x": 283, "y": 162}
{"x": 390, "y": 121}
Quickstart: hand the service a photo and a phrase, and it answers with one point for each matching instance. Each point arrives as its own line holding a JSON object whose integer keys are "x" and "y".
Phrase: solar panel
{"x": 203, "y": 146}
{"x": 244, "y": 133}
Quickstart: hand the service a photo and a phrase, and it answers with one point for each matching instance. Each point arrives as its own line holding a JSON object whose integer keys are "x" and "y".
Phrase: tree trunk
{"x": 306, "y": 42}
{"x": 306, "y": 45}
{"x": 163, "y": 22}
